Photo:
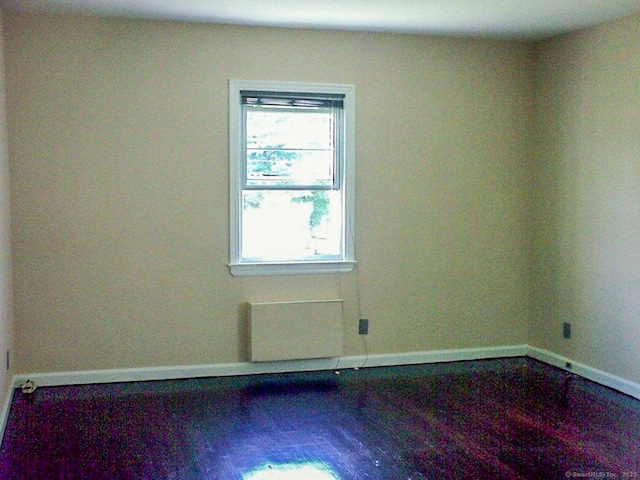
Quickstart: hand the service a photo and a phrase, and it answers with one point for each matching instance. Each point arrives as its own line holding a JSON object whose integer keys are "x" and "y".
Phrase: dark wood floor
{"x": 497, "y": 419}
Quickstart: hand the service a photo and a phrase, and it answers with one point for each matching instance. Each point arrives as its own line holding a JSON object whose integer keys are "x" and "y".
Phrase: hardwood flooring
{"x": 495, "y": 419}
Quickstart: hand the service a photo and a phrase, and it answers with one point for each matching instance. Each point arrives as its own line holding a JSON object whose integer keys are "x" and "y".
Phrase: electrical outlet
{"x": 566, "y": 330}
{"x": 363, "y": 327}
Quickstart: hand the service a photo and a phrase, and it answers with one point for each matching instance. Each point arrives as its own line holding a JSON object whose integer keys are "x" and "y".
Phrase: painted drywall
{"x": 6, "y": 319}
{"x": 118, "y": 137}
{"x": 587, "y": 184}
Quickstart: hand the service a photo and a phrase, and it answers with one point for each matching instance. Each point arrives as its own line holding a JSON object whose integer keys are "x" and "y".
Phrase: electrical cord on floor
{"x": 569, "y": 379}
{"x": 28, "y": 386}
{"x": 337, "y": 369}
{"x": 364, "y": 362}
{"x": 366, "y": 352}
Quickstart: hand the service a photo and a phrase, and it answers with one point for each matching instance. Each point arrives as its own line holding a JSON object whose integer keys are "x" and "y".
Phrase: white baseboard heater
{"x": 295, "y": 330}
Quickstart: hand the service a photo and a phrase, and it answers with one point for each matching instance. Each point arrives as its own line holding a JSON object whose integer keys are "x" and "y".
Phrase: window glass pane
{"x": 289, "y": 146}
{"x": 289, "y": 128}
{"x": 289, "y": 167}
{"x": 291, "y": 224}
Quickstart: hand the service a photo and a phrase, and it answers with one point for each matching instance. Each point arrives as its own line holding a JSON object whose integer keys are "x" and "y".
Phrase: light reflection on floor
{"x": 297, "y": 471}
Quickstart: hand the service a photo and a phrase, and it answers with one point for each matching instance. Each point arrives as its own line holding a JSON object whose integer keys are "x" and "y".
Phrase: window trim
{"x": 236, "y": 156}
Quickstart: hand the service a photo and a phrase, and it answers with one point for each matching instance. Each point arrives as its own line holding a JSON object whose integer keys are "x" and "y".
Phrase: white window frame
{"x": 239, "y": 267}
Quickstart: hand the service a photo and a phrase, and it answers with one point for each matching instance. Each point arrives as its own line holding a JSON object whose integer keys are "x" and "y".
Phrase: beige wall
{"x": 118, "y": 143}
{"x": 587, "y": 256}
{"x": 6, "y": 321}
{"x": 118, "y": 139}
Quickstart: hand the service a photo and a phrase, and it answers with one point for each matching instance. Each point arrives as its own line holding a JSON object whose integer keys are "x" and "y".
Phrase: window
{"x": 291, "y": 177}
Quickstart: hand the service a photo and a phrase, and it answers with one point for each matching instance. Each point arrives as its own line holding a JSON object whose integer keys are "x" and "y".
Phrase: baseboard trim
{"x": 4, "y": 415}
{"x": 603, "y": 378}
{"x": 360, "y": 361}
{"x": 434, "y": 356}
{"x": 249, "y": 368}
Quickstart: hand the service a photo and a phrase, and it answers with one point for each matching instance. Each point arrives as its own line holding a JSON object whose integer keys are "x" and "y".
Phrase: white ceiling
{"x": 508, "y": 19}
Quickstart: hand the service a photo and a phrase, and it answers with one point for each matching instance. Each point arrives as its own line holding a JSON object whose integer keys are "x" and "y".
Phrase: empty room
{"x": 322, "y": 240}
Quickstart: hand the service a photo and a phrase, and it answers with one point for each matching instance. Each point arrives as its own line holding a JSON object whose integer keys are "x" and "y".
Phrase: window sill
{"x": 291, "y": 268}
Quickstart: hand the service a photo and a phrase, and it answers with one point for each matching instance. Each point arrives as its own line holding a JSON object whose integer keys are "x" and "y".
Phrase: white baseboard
{"x": 4, "y": 414}
{"x": 379, "y": 360}
{"x": 249, "y": 368}
{"x": 603, "y": 378}
{"x": 359, "y": 361}
{"x": 434, "y": 356}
